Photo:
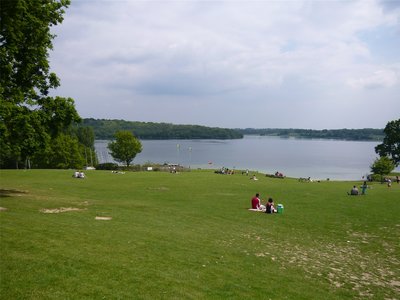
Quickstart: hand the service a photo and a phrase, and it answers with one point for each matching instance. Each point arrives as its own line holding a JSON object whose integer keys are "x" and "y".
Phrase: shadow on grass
{"x": 10, "y": 193}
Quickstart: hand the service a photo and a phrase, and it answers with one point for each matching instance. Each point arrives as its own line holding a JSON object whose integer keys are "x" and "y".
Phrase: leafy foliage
{"x": 382, "y": 166}
{"x": 85, "y": 136}
{"x": 30, "y": 118}
{"x": 125, "y": 147}
{"x": 107, "y": 166}
{"x": 391, "y": 142}
{"x": 105, "y": 129}
{"x": 64, "y": 152}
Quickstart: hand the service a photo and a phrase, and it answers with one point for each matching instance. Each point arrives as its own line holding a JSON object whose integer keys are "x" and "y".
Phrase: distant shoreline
{"x": 106, "y": 129}
{"x": 366, "y": 134}
{"x": 317, "y": 158}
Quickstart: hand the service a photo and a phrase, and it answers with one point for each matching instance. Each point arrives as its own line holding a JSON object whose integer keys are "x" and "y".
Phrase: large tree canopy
{"x": 382, "y": 166}
{"x": 29, "y": 117}
{"x": 125, "y": 147}
{"x": 391, "y": 142}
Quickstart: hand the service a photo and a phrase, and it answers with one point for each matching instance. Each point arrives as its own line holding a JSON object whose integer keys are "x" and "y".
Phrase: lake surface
{"x": 318, "y": 159}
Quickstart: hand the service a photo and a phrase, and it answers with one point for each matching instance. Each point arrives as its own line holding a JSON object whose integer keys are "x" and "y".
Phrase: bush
{"x": 107, "y": 166}
{"x": 136, "y": 168}
{"x": 376, "y": 177}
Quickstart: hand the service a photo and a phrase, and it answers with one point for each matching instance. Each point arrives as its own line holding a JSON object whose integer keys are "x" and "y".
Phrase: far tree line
{"x": 126, "y": 146}
{"x": 106, "y": 129}
{"x": 365, "y": 134}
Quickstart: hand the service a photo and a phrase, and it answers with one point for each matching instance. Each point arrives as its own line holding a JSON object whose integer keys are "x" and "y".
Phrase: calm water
{"x": 319, "y": 159}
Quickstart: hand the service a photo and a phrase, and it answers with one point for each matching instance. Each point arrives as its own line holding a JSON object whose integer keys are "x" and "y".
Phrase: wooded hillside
{"x": 366, "y": 134}
{"x": 106, "y": 129}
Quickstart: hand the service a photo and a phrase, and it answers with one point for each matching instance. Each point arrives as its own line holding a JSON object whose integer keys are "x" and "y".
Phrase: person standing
{"x": 389, "y": 182}
{"x": 364, "y": 188}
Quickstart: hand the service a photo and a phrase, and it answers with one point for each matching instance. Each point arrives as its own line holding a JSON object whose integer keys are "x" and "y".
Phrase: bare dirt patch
{"x": 60, "y": 210}
{"x": 3, "y": 209}
{"x": 160, "y": 188}
{"x": 84, "y": 203}
{"x": 226, "y": 194}
{"x": 344, "y": 265}
{"x": 103, "y": 218}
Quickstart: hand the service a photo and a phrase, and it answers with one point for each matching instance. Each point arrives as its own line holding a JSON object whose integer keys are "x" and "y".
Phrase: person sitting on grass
{"x": 270, "y": 209}
{"x": 256, "y": 202}
{"x": 354, "y": 191}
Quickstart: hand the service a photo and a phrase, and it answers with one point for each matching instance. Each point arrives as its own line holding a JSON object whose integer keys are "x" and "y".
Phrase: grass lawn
{"x": 190, "y": 236}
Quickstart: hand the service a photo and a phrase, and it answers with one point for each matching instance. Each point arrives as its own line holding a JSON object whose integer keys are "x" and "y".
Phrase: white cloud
{"x": 232, "y": 52}
{"x": 378, "y": 79}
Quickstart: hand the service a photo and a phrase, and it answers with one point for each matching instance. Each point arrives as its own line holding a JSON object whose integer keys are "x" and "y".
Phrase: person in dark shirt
{"x": 270, "y": 209}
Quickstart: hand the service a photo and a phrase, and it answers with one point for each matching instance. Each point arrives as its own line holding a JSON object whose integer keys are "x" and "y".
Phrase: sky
{"x": 233, "y": 64}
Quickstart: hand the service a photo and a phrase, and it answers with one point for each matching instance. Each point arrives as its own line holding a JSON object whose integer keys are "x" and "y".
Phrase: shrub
{"x": 376, "y": 177}
{"x": 107, "y": 166}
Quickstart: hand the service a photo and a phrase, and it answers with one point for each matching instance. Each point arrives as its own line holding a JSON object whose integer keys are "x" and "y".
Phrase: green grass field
{"x": 190, "y": 236}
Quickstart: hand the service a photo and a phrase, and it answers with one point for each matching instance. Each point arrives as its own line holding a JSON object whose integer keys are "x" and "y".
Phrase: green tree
{"x": 391, "y": 142}
{"x": 382, "y": 166}
{"x": 125, "y": 147}
{"x": 63, "y": 152}
{"x": 85, "y": 136}
{"x": 29, "y": 117}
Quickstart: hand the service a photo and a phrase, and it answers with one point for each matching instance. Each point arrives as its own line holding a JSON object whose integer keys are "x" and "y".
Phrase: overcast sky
{"x": 236, "y": 64}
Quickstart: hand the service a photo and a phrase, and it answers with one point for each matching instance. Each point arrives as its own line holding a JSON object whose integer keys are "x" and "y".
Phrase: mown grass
{"x": 190, "y": 236}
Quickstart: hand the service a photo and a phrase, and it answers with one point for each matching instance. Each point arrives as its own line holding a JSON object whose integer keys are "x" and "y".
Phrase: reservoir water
{"x": 318, "y": 159}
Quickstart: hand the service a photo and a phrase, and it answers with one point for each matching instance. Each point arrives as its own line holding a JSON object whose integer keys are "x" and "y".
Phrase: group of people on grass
{"x": 79, "y": 174}
{"x": 253, "y": 177}
{"x": 268, "y": 208}
{"x": 389, "y": 181}
{"x": 225, "y": 171}
{"x": 355, "y": 192}
{"x": 117, "y": 172}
